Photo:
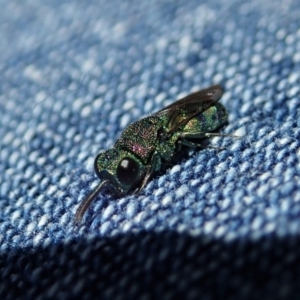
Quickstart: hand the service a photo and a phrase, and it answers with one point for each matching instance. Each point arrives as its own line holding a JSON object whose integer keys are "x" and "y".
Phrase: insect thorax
{"x": 141, "y": 137}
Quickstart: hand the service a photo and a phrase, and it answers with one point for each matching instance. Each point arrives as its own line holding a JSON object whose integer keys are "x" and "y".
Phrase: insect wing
{"x": 183, "y": 110}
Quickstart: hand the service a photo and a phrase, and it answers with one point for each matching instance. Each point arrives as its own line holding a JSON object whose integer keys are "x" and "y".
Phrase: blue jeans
{"x": 220, "y": 223}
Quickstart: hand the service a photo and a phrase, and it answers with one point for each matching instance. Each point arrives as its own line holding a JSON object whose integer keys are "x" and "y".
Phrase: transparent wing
{"x": 183, "y": 110}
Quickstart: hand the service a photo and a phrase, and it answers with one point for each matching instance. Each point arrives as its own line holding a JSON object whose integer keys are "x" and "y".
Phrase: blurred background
{"x": 219, "y": 224}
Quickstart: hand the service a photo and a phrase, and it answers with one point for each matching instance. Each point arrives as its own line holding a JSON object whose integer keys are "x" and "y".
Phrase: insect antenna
{"x": 87, "y": 202}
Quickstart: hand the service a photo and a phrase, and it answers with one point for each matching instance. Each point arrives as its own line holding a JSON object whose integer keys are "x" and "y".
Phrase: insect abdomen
{"x": 210, "y": 120}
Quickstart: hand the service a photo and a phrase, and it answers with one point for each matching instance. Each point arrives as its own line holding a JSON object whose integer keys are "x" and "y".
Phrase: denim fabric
{"x": 221, "y": 223}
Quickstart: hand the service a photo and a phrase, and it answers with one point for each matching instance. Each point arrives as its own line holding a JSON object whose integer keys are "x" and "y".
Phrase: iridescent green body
{"x": 142, "y": 139}
{"x": 148, "y": 144}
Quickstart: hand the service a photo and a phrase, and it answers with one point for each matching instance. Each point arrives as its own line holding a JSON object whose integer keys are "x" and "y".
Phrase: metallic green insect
{"x": 146, "y": 146}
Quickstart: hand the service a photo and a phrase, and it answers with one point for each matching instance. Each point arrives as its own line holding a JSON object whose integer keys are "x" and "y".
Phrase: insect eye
{"x": 128, "y": 171}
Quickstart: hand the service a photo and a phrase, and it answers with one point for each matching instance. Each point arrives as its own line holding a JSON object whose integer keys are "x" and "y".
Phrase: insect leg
{"x": 192, "y": 135}
{"x": 211, "y": 134}
{"x": 190, "y": 144}
{"x": 201, "y": 135}
{"x": 196, "y": 145}
{"x": 154, "y": 166}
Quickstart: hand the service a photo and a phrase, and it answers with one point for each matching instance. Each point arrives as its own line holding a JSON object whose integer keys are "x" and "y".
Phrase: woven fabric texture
{"x": 220, "y": 223}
